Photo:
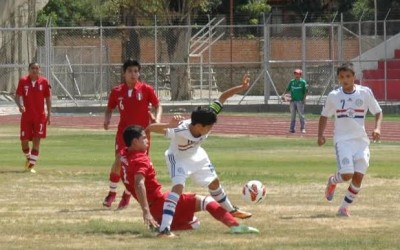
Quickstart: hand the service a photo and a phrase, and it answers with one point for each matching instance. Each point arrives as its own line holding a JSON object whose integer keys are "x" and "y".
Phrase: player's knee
{"x": 205, "y": 201}
{"x": 214, "y": 184}
{"x": 347, "y": 176}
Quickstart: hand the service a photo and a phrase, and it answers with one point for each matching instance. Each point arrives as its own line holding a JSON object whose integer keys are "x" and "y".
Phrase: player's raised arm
{"x": 216, "y": 106}
{"x": 235, "y": 90}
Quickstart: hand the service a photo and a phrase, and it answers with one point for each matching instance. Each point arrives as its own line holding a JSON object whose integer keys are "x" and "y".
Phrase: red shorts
{"x": 184, "y": 212}
{"x": 120, "y": 144}
{"x": 32, "y": 128}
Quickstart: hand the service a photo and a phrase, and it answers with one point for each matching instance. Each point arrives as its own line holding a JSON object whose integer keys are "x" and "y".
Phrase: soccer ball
{"x": 254, "y": 191}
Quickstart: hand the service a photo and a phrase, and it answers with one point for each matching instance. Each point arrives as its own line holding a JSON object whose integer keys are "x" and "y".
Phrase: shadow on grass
{"x": 85, "y": 210}
{"x": 13, "y": 172}
{"x": 316, "y": 216}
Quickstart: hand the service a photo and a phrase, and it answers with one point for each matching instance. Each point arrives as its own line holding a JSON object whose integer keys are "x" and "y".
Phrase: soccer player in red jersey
{"x": 139, "y": 177}
{"x": 132, "y": 98}
{"x": 32, "y": 91}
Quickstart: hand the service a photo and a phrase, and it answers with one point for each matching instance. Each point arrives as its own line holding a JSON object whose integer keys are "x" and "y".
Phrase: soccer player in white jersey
{"x": 186, "y": 158}
{"x": 349, "y": 104}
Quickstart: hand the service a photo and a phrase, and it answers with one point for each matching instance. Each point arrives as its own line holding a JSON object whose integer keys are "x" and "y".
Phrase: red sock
{"x": 221, "y": 214}
{"x": 114, "y": 177}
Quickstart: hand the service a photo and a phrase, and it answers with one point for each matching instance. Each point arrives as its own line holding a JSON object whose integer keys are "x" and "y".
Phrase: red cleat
{"x": 330, "y": 189}
{"x": 124, "y": 201}
{"x": 109, "y": 199}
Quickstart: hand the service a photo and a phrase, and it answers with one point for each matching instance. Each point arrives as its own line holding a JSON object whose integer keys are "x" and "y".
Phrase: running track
{"x": 227, "y": 124}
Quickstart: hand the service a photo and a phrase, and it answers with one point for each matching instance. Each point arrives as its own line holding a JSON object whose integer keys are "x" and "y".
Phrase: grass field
{"x": 60, "y": 206}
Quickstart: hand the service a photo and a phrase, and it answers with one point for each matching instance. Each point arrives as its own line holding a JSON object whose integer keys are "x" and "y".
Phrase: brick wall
{"x": 243, "y": 50}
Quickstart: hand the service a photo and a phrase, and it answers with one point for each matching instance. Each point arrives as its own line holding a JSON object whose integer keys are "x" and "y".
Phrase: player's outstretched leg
{"x": 243, "y": 229}
{"x": 225, "y": 217}
{"x": 220, "y": 196}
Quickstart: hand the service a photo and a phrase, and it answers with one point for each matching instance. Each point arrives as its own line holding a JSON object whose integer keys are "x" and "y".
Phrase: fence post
{"x": 340, "y": 40}
{"x": 304, "y": 46}
{"x": 384, "y": 39}
{"x": 267, "y": 87}
{"x": 360, "y": 46}
{"x": 155, "y": 56}
{"x": 101, "y": 62}
{"x": 47, "y": 42}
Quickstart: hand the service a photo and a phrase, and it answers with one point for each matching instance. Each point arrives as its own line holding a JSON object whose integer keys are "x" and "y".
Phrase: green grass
{"x": 60, "y": 207}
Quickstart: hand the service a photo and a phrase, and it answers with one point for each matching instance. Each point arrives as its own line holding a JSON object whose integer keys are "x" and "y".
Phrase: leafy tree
{"x": 126, "y": 13}
{"x": 253, "y": 9}
{"x": 68, "y": 13}
{"x": 367, "y": 8}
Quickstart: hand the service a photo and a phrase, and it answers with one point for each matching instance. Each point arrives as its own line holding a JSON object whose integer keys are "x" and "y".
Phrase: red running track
{"x": 227, "y": 124}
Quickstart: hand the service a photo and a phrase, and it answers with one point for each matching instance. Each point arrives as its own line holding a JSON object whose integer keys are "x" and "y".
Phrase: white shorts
{"x": 352, "y": 156}
{"x": 200, "y": 170}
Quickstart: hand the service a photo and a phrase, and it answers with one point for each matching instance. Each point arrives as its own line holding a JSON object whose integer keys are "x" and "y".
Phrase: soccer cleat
{"x": 303, "y": 131}
{"x": 166, "y": 233}
{"x": 292, "y": 131}
{"x": 343, "y": 212}
{"x": 330, "y": 189}
{"x": 109, "y": 199}
{"x": 29, "y": 167}
{"x": 124, "y": 201}
{"x": 240, "y": 214}
{"x": 243, "y": 229}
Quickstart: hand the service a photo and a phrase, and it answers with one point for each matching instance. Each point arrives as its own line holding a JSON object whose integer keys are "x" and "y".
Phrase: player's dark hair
{"x": 32, "y": 63}
{"x": 130, "y": 63}
{"x": 132, "y": 132}
{"x": 348, "y": 66}
{"x": 203, "y": 116}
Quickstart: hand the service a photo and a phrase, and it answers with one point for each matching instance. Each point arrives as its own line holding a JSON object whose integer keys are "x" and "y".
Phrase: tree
{"x": 174, "y": 13}
{"x": 253, "y": 9}
{"x": 67, "y": 13}
{"x": 367, "y": 8}
{"x": 126, "y": 13}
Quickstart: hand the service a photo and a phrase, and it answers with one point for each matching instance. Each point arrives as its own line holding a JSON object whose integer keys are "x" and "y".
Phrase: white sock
{"x": 169, "y": 210}
{"x": 350, "y": 196}
{"x": 220, "y": 196}
{"x": 113, "y": 186}
{"x": 337, "y": 178}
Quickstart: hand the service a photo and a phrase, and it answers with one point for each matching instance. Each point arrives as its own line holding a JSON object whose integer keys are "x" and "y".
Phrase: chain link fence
{"x": 196, "y": 62}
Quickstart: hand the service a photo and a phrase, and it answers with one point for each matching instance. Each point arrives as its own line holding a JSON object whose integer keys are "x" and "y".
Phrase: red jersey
{"x": 138, "y": 162}
{"x": 133, "y": 104}
{"x": 33, "y": 95}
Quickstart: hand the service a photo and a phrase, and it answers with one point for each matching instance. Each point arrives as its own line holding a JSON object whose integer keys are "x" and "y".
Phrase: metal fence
{"x": 192, "y": 63}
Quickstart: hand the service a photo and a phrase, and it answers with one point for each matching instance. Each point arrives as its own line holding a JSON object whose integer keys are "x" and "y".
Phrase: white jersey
{"x": 350, "y": 110}
{"x": 184, "y": 144}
